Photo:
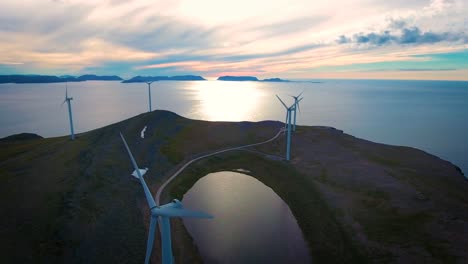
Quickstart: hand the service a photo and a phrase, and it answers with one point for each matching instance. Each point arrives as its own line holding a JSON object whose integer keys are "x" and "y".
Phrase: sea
{"x": 429, "y": 115}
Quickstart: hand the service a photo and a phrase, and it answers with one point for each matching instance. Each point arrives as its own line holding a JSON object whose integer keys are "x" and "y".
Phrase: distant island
{"x": 33, "y": 78}
{"x": 18, "y": 78}
{"x": 138, "y": 79}
{"x": 238, "y": 78}
{"x": 249, "y": 78}
{"x": 92, "y": 77}
{"x": 275, "y": 80}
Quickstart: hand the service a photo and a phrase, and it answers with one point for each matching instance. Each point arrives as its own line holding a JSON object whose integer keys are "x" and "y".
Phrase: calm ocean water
{"x": 430, "y": 115}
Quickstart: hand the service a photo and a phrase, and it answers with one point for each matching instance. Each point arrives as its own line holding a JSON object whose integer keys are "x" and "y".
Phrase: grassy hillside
{"x": 75, "y": 201}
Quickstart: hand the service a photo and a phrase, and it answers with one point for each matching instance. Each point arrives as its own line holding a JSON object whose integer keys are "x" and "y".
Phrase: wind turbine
{"x": 70, "y": 116}
{"x": 164, "y": 212}
{"x": 297, "y": 99}
{"x": 149, "y": 94}
{"x": 288, "y": 125}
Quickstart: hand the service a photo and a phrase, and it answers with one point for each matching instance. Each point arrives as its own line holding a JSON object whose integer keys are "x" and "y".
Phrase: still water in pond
{"x": 251, "y": 225}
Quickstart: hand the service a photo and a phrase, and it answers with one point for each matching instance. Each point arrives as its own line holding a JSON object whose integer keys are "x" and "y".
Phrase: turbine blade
{"x": 166, "y": 243}
{"x": 300, "y": 94}
{"x": 135, "y": 166}
{"x": 66, "y": 90}
{"x": 63, "y": 103}
{"x": 282, "y": 102}
{"x": 149, "y": 197}
{"x": 181, "y": 212}
{"x": 297, "y": 104}
{"x": 151, "y": 233}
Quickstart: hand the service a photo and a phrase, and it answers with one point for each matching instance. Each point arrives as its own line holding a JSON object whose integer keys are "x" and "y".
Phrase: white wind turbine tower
{"x": 70, "y": 116}
{"x": 288, "y": 126}
{"x": 297, "y": 99}
{"x": 164, "y": 213}
{"x": 149, "y": 94}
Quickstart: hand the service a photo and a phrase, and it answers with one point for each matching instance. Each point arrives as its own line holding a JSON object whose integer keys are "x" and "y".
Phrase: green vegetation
{"x": 174, "y": 147}
{"x": 390, "y": 225}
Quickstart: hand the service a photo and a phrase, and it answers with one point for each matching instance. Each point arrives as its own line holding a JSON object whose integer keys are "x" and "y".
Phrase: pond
{"x": 252, "y": 223}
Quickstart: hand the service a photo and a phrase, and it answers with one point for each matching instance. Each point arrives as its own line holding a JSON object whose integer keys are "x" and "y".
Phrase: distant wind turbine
{"x": 70, "y": 116}
{"x": 297, "y": 99}
{"x": 164, "y": 212}
{"x": 149, "y": 94}
{"x": 288, "y": 127}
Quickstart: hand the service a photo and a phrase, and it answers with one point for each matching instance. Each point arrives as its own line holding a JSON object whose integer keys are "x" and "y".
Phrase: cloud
{"x": 287, "y": 51}
{"x": 409, "y": 35}
{"x": 209, "y": 36}
{"x": 287, "y": 27}
{"x": 10, "y": 63}
{"x": 414, "y": 35}
{"x": 438, "y": 6}
{"x": 397, "y": 23}
{"x": 155, "y": 33}
{"x": 375, "y": 38}
{"x": 77, "y": 35}
{"x": 92, "y": 52}
{"x": 343, "y": 39}
{"x": 170, "y": 65}
{"x": 428, "y": 69}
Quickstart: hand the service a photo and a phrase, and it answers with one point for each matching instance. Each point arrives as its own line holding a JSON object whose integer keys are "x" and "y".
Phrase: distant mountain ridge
{"x": 275, "y": 80}
{"x": 32, "y": 78}
{"x": 249, "y": 78}
{"x": 138, "y": 79}
{"x": 238, "y": 78}
{"x": 92, "y": 77}
{"x": 18, "y": 78}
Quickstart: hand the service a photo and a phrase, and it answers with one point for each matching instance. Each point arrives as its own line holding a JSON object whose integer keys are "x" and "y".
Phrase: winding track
{"x": 161, "y": 189}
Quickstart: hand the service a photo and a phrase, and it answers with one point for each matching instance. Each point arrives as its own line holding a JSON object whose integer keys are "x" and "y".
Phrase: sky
{"x": 295, "y": 39}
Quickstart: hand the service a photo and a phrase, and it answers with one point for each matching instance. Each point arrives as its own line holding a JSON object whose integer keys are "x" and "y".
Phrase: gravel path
{"x": 161, "y": 189}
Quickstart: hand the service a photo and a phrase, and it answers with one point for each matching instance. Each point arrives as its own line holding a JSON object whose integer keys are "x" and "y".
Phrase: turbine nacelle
{"x": 142, "y": 172}
{"x": 297, "y": 99}
{"x": 176, "y": 203}
{"x": 297, "y": 96}
{"x": 176, "y": 209}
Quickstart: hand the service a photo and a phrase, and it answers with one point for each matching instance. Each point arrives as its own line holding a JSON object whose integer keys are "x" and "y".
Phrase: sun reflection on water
{"x": 232, "y": 101}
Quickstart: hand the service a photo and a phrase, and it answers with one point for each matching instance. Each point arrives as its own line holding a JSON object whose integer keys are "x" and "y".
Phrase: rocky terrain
{"x": 356, "y": 201}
